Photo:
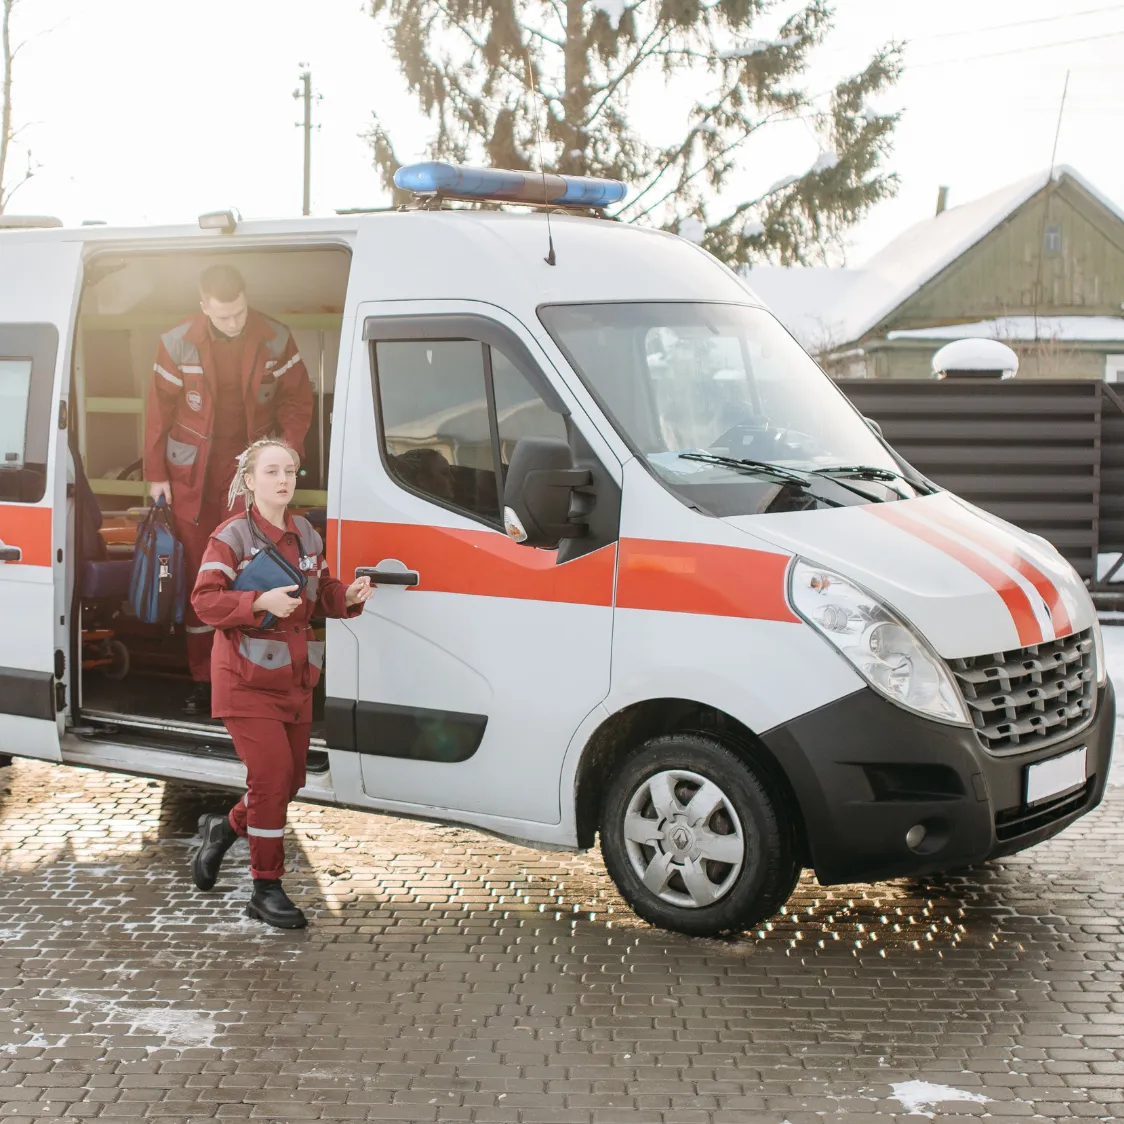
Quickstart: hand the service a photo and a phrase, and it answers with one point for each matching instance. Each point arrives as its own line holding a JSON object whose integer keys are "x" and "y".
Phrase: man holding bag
{"x": 222, "y": 379}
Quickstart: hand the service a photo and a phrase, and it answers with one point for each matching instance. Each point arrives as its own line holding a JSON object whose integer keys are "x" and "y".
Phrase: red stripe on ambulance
{"x": 1013, "y": 595}
{"x": 477, "y": 563}
{"x": 993, "y": 540}
{"x": 29, "y": 528}
{"x": 661, "y": 576}
{"x": 718, "y": 581}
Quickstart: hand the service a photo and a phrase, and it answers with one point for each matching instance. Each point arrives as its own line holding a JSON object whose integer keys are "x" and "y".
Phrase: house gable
{"x": 1078, "y": 272}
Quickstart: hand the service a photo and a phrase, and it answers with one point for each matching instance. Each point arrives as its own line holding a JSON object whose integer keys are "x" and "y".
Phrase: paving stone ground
{"x": 448, "y": 976}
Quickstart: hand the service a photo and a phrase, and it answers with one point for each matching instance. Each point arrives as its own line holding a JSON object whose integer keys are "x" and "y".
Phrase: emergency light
{"x": 504, "y": 186}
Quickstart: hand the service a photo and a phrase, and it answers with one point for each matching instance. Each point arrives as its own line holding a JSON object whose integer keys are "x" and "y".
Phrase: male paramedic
{"x": 223, "y": 379}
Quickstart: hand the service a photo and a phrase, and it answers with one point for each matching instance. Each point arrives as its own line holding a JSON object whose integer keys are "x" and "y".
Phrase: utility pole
{"x": 304, "y": 93}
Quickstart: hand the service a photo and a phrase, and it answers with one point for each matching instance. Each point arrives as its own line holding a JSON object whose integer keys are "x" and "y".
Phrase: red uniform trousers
{"x": 194, "y": 538}
{"x": 274, "y": 753}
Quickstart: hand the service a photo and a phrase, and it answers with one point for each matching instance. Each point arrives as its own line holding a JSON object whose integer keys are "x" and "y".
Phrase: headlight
{"x": 881, "y": 647}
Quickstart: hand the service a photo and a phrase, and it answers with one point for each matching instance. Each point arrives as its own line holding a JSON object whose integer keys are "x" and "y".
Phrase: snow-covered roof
{"x": 804, "y": 300}
{"x": 1076, "y": 329}
{"x": 854, "y": 301}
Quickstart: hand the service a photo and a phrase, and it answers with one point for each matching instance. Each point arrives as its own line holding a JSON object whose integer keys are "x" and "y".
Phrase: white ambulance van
{"x": 642, "y": 571}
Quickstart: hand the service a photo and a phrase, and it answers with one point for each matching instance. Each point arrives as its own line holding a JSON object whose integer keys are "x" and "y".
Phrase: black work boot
{"x": 218, "y": 837}
{"x": 198, "y": 703}
{"x": 270, "y": 903}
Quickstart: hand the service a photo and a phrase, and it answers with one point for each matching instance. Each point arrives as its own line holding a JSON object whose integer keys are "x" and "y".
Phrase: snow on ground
{"x": 1114, "y": 656}
{"x": 918, "y": 1096}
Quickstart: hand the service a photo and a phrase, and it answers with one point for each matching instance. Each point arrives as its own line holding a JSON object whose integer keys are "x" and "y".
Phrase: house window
{"x": 1114, "y": 368}
{"x": 1052, "y": 240}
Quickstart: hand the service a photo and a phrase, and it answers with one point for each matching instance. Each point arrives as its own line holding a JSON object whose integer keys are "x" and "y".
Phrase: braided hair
{"x": 246, "y": 462}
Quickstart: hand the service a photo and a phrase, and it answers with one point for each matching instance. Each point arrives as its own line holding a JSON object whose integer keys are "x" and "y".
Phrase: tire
{"x": 727, "y": 866}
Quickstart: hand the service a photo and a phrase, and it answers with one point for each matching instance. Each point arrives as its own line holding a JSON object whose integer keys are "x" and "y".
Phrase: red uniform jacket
{"x": 255, "y": 672}
{"x": 179, "y": 420}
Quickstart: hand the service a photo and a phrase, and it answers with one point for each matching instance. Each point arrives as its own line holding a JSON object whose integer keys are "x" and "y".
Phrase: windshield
{"x": 729, "y": 381}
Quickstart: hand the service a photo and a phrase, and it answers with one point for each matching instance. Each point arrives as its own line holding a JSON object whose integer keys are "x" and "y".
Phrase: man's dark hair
{"x": 222, "y": 282}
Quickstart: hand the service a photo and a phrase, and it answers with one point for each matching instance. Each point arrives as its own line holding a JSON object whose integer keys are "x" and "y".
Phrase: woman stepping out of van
{"x": 264, "y": 665}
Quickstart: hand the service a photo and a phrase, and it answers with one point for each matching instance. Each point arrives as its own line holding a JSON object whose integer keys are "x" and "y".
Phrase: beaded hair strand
{"x": 247, "y": 459}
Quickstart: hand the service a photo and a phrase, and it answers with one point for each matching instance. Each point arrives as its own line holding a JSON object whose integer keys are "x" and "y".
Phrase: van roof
{"x": 434, "y": 254}
{"x": 342, "y": 222}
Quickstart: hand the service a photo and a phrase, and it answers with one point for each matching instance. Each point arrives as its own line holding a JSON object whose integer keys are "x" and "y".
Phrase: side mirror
{"x": 541, "y": 507}
{"x": 875, "y": 427}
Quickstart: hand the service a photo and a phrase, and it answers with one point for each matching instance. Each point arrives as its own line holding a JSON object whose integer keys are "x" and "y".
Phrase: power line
{"x": 1017, "y": 50}
{"x": 1019, "y": 23}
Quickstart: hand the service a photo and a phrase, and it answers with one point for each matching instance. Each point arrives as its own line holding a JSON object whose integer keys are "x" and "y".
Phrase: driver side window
{"x": 451, "y": 412}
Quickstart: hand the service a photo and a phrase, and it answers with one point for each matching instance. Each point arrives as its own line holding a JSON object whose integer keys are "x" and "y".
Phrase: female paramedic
{"x": 264, "y": 665}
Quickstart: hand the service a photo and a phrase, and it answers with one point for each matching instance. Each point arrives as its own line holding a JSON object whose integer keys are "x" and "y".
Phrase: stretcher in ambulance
{"x": 643, "y": 574}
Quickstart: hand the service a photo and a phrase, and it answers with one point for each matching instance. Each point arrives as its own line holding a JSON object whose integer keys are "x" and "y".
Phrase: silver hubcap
{"x": 684, "y": 838}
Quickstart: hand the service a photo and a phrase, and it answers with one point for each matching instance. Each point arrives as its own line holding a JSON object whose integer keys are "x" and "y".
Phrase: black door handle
{"x": 10, "y": 553}
{"x": 388, "y": 577}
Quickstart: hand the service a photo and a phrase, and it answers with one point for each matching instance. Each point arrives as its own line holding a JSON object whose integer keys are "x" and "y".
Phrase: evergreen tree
{"x": 500, "y": 80}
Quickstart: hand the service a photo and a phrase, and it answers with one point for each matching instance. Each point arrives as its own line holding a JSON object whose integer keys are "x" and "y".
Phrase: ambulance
{"x": 644, "y": 576}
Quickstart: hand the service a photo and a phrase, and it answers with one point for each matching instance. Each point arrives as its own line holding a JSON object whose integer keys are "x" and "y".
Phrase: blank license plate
{"x": 1053, "y": 777}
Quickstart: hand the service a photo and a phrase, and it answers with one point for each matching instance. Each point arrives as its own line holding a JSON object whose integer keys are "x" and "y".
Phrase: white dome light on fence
{"x": 975, "y": 358}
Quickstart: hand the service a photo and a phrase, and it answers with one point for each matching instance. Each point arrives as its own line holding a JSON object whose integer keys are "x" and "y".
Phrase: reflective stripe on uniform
{"x": 292, "y": 362}
{"x": 197, "y": 630}
{"x": 191, "y": 369}
{"x": 222, "y": 567}
{"x": 170, "y": 377}
{"x": 268, "y": 654}
{"x": 266, "y": 832}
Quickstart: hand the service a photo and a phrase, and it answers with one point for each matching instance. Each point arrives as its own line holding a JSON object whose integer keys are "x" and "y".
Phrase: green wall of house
{"x": 1060, "y": 254}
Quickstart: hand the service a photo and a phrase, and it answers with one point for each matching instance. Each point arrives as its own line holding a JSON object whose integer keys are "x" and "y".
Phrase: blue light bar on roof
{"x": 505, "y": 186}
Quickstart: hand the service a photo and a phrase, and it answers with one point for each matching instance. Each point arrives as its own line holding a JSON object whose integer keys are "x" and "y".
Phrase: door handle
{"x": 10, "y": 553}
{"x": 388, "y": 577}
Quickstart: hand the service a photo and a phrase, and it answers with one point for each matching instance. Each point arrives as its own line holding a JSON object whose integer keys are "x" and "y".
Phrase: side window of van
{"x": 451, "y": 413}
{"x": 15, "y": 397}
{"x": 520, "y": 412}
{"x": 27, "y": 362}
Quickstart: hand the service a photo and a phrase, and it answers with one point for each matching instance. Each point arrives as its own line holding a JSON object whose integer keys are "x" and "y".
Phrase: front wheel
{"x": 695, "y": 840}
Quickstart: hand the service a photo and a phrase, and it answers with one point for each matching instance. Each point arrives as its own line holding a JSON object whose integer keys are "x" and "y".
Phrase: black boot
{"x": 217, "y": 836}
{"x": 270, "y": 903}
{"x": 198, "y": 703}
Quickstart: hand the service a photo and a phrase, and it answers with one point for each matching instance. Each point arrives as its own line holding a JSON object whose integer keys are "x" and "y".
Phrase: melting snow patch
{"x": 180, "y": 1028}
{"x": 917, "y": 1096}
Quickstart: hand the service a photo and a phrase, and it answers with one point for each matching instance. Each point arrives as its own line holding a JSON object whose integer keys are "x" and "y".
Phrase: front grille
{"x": 1030, "y": 696}
{"x": 1013, "y": 822}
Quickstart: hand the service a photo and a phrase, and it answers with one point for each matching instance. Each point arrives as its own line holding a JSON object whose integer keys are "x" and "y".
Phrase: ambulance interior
{"x": 134, "y": 676}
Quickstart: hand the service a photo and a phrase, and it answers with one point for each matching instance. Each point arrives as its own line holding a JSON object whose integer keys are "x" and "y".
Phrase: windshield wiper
{"x": 745, "y": 464}
{"x": 869, "y": 472}
{"x": 777, "y": 470}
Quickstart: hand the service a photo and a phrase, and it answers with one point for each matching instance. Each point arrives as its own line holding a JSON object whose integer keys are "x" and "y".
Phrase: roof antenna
{"x": 550, "y": 258}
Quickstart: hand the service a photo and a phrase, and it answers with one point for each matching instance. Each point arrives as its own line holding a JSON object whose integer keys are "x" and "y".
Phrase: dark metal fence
{"x": 1046, "y": 455}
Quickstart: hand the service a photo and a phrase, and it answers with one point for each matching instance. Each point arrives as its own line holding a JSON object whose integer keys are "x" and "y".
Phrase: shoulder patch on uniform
{"x": 311, "y": 542}
{"x": 178, "y": 347}
{"x": 236, "y": 535}
{"x": 277, "y": 343}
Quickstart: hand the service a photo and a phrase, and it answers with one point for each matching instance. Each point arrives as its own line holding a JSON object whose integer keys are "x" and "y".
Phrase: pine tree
{"x": 499, "y": 81}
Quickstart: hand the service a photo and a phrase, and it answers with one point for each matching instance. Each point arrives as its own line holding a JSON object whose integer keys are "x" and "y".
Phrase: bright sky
{"x": 156, "y": 111}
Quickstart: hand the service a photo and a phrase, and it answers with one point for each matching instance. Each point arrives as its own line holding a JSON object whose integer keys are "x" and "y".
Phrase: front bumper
{"x": 865, "y": 771}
